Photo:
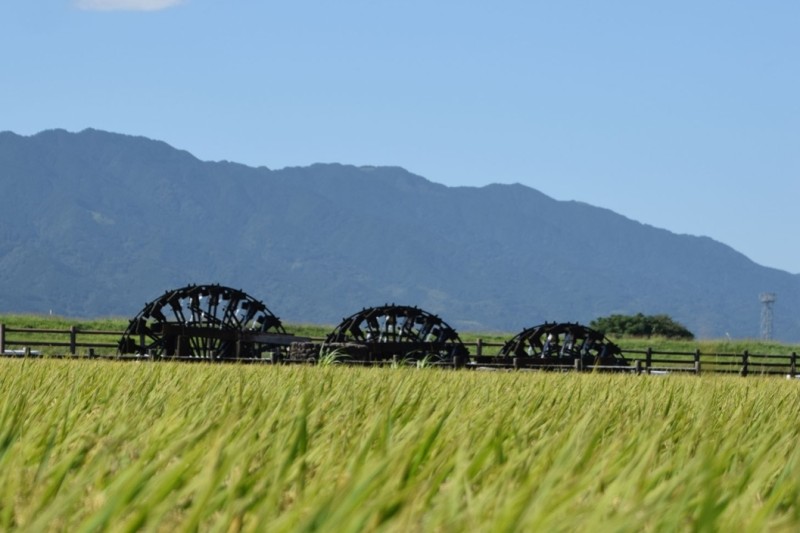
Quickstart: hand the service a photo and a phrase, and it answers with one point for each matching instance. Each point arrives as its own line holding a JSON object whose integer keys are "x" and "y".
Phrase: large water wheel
{"x": 204, "y": 321}
{"x": 555, "y": 343}
{"x": 395, "y": 332}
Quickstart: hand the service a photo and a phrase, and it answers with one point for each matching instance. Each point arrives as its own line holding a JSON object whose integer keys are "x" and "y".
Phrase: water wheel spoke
{"x": 392, "y": 331}
{"x": 205, "y": 321}
{"x": 562, "y": 344}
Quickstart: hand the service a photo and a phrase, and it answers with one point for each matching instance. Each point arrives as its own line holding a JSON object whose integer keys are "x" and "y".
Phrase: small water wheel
{"x": 204, "y": 321}
{"x": 562, "y": 344}
{"x": 395, "y": 332}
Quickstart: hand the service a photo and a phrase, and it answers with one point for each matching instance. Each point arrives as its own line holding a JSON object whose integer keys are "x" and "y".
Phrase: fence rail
{"x": 647, "y": 361}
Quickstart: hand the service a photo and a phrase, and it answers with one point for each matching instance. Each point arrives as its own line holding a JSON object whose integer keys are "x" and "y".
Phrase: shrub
{"x": 640, "y": 325}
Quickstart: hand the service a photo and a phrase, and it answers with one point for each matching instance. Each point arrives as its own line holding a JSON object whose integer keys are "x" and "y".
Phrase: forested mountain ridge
{"x": 97, "y": 223}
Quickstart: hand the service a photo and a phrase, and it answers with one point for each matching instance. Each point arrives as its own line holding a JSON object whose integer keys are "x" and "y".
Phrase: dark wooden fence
{"x": 31, "y": 338}
{"x": 79, "y": 343}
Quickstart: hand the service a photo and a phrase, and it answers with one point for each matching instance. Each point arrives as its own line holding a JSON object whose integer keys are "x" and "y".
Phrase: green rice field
{"x": 98, "y": 445}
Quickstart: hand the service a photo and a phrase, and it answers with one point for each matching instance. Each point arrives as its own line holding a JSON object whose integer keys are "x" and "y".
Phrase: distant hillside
{"x": 96, "y": 224}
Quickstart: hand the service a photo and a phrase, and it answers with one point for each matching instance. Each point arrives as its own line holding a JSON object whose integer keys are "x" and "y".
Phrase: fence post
{"x": 745, "y": 361}
{"x": 73, "y": 333}
{"x": 648, "y": 359}
{"x": 697, "y": 361}
{"x": 2, "y": 338}
{"x": 479, "y": 348}
{"x": 792, "y": 368}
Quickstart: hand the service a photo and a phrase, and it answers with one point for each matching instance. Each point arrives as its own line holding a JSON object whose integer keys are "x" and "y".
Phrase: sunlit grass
{"x": 709, "y": 346}
{"x": 91, "y": 445}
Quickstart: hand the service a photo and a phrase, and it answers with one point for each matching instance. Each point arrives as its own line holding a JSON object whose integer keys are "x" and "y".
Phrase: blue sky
{"x": 684, "y": 114}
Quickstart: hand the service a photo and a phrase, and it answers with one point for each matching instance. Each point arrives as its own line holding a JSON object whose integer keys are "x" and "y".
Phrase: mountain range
{"x": 98, "y": 224}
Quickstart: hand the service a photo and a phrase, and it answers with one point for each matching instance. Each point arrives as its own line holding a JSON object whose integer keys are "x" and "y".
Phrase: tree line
{"x": 640, "y": 325}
